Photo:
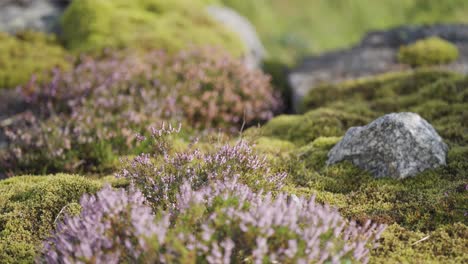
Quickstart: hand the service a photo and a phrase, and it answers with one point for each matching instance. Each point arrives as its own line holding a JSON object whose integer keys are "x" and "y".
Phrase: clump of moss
{"x": 447, "y": 244}
{"x": 322, "y": 122}
{"x": 273, "y": 147}
{"x": 29, "y": 206}
{"x": 427, "y": 52}
{"x": 90, "y": 25}
{"x": 28, "y": 53}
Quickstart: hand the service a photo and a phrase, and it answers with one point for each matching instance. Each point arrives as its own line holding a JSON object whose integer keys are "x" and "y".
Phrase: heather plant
{"x": 218, "y": 91}
{"x": 285, "y": 229}
{"x": 161, "y": 174}
{"x": 223, "y": 222}
{"x": 208, "y": 86}
{"x": 105, "y": 103}
{"x": 113, "y": 225}
{"x": 52, "y": 145}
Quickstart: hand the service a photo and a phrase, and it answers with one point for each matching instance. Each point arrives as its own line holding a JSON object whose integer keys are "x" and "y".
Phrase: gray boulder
{"x": 398, "y": 145}
{"x": 244, "y": 29}
{"x": 38, "y": 15}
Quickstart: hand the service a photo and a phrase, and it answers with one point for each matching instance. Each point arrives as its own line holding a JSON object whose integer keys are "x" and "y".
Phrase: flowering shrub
{"x": 160, "y": 176}
{"x": 200, "y": 207}
{"x": 112, "y": 226}
{"x": 110, "y": 100}
{"x": 223, "y": 222}
{"x": 241, "y": 225}
{"x": 216, "y": 90}
{"x": 52, "y": 145}
{"x": 210, "y": 88}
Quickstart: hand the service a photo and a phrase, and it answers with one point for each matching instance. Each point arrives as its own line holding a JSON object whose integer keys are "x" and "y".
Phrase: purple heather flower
{"x": 113, "y": 224}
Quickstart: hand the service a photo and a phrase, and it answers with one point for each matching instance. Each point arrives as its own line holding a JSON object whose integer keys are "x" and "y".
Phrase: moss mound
{"x": 29, "y": 206}
{"x": 90, "y": 25}
{"x": 431, "y": 204}
{"x": 28, "y": 53}
{"x": 439, "y": 97}
{"x": 322, "y": 122}
{"x": 427, "y": 52}
{"x": 447, "y": 244}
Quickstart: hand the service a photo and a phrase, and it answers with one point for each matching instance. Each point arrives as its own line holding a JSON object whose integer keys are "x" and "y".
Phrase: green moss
{"x": 28, "y": 53}
{"x": 29, "y": 206}
{"x": 431, "y": 204}
{"x": 273, "y": 146}
{"x": 439, "y": 97}
{"x": 90, "y": 25}
{"x": 421, "y": 203}
{"x": 392, "y": 85}
{"x": 325, "y": 142}
{"x": 322, "y": 122}
{"x": 447, "y": 244}
{"x": 315, "y": 153}
{"x": 427, "y": 52}
{"x": 281, "y": 126}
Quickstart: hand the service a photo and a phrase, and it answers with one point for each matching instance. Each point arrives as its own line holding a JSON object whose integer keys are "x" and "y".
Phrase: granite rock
{"x": 398, "y": 145}
{"x": 38, "y": 15}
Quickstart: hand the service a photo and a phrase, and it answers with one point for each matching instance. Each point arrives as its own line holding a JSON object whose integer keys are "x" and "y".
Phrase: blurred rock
{"x": 394, "y": 38}
{"x": 11, "y": 104}
{"x": 375, "y": 54}
{"x": 246, "y": 31}
{"x": 39, "y": 15}
{"x": 398, "y": 145}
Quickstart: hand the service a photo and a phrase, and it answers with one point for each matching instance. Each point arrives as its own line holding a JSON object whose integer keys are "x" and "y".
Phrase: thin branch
{"x": 421, "y": 240}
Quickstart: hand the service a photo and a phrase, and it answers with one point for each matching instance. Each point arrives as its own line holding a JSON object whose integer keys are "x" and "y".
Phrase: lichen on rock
{"x": 397, "y": 145}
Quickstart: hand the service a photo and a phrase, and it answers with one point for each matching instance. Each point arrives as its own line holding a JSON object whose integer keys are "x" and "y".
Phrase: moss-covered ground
{"x": 431, "y": 206}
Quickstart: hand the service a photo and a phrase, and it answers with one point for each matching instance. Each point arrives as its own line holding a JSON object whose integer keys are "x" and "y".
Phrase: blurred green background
{"x": 290, "y": 29}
